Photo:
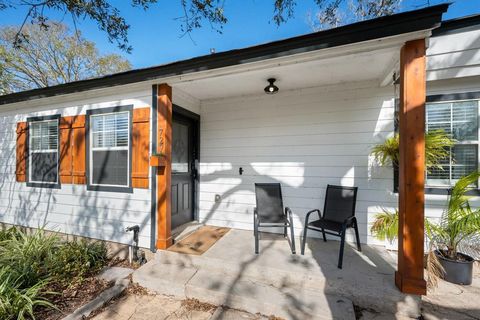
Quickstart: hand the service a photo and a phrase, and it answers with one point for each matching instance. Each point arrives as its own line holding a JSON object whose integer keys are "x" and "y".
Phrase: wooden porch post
{"x": 164, "y": 145}
{"x": 411, "y": 232}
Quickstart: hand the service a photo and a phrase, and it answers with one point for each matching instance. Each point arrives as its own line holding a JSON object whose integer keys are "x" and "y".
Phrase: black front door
{"x": 184, "y": 155}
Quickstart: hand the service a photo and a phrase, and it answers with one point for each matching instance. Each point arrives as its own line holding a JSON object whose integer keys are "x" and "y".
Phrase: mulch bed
{"x": 117, "y": 262}
{"x": 71, "y": 298}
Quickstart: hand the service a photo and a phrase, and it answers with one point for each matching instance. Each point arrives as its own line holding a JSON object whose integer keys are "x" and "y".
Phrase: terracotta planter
{"x": 457, "y": 271}
{"x": 158, "y": 161}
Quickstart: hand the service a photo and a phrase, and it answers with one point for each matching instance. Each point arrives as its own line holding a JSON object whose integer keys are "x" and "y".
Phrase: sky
{"x": 156, "y": 37}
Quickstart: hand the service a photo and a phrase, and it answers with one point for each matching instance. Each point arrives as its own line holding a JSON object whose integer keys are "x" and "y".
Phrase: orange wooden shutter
{"x": 21, "y": 152}
{"x": 78, "y": 150}
{"x": 65, "y": 137}
{"x": 140, "y": 147}
{"x": 72, "y": 150}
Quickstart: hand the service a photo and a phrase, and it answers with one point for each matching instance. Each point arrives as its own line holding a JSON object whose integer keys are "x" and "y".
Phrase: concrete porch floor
{"x": 276, "y": 282}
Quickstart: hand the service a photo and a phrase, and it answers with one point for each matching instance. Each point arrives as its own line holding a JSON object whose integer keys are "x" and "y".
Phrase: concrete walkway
{"x": 141, "y": 307}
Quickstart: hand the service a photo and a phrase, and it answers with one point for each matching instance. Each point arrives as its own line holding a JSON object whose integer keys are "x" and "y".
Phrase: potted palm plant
{"x": 458, "y": 224}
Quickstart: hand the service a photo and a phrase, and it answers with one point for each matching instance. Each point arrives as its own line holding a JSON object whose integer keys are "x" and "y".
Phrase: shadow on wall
{"x": 71, "y": 209}
{"x": 304, "y": 173}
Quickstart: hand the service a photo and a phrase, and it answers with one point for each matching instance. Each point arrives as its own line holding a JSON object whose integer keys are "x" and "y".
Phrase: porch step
{"x": 241, "y": 292}
{"x": 366, "y": 278}
{"x": 258, "y": 297}
{"x": 272, "y": 276}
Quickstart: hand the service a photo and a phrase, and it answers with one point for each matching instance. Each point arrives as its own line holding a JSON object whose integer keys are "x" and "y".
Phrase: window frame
{"x": 89, "y": 150}
{"x": 451, "y": 98}
{"x": 41, "y": 184}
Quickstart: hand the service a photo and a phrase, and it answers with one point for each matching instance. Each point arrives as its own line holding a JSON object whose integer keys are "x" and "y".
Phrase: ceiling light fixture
{"x": 271, "y": 88}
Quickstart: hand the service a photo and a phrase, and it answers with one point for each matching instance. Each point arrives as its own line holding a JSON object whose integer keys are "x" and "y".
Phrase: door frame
{"x": 187, "y": 115}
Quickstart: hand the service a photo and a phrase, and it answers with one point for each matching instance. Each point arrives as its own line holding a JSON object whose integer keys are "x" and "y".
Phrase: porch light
{"x": 271, "y": 88}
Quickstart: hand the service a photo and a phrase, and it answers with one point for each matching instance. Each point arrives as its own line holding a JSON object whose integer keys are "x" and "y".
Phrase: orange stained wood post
{"x": 164, "y": 173}
{"x": 411, "y": 232}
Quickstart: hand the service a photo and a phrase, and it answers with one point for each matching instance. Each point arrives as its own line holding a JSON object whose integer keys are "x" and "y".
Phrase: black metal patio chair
{"x": 338, "y": 216}
{"x": 269, "y": 212}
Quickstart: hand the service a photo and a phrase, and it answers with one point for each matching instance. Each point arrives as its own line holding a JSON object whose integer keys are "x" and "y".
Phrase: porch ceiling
{"x": 369, "y": 65}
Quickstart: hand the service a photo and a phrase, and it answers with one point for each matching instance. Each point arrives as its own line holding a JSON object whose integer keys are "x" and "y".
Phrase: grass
{"x": 30, "y": 263}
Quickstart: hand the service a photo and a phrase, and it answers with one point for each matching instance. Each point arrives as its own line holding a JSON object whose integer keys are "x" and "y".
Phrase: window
{"x": 43, "y": 151}
{"x": 460, "y": 120}
{"x": 110, "y": 150}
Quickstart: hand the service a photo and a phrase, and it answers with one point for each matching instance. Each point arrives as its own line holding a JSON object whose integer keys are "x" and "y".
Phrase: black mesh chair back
{"x": 338, "y": 215}
{"x": 269, "y": 202}
{"x": 339, "y": 203}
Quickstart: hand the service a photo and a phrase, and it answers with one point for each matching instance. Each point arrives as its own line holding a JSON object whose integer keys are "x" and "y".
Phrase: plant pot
{"x": 158, "y": 161}
{"x": 457, "y": 271}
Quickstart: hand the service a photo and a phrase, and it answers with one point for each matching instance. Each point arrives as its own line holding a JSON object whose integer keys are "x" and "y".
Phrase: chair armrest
{"x": 310, "y": 212}
{"x": 288, "y": 212}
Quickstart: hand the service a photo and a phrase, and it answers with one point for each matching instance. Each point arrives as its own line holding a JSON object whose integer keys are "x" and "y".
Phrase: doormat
{"x": 199, "y": 241}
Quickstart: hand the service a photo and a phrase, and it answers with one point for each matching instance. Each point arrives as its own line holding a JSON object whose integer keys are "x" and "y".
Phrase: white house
{"x": 81, "y": 158}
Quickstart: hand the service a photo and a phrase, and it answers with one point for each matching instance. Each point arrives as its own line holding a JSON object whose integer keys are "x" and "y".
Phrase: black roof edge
{"x": 458, "y": 25}
{"x": 405, "y": 22}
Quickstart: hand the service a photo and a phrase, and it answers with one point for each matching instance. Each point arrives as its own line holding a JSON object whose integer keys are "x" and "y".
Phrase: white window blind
{"x": 109, "y": 149}
{"x": 460, "y": 120}
{"x": 43, "y": 151}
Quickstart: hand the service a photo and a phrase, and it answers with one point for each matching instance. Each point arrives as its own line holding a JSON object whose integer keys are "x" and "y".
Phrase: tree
{"x": 195, "y": 13}
{"x": 50, "y": 55}
{"x": 338, "y": 12}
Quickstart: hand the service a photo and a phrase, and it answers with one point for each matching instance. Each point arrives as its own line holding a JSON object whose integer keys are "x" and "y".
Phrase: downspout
{"x": 153, "y": 173}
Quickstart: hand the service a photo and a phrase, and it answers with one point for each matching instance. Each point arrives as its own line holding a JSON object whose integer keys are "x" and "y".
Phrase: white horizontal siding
{"x": 71, "y": 209}
{"x": 454, "y": 55}
{"x": 304, "y": 139}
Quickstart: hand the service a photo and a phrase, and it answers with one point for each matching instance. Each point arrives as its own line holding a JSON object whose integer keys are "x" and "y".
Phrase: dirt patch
{"x": 135, "y": 289}
{"x": 71, "y": 298}
{"x": 197, "y": 305}
{"x": 117, "y": 262}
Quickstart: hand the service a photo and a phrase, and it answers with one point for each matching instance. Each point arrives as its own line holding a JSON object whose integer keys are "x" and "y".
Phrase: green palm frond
{"x": 385, "y": 225}
{"x": 437, "y": 148}
{"x": 459, "y": 221}
{"x": 387, "y": 152}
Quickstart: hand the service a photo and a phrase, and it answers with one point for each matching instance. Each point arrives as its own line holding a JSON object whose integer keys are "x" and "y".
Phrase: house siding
{"x": 454, "y": 55}
{"x": 71, "y": 209}
{"x": 304, "y": 139}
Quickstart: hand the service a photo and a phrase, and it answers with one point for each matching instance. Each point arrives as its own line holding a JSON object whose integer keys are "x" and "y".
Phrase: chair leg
{"x": 357, "y": 235}
{"x": 342, "y": 246}
{"x": 285, "y": 231}
{"x": 304, "y": 240}
{"x": 292, "y": 234}
{"x": 324, "y": 236}
{"x": 255, "y": 231}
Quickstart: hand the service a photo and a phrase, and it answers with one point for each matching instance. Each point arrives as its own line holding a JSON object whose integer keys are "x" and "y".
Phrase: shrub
{"x": 25, "y": 255}
{"x": 16, "y": 301}
{"x": 10, "y": 233}
{"x": 77, "y": 259}
{"x": 31, "y": 262}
